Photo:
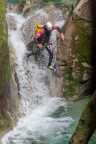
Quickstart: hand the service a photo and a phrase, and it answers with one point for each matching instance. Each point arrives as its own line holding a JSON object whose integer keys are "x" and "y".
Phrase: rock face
{"x": 4, "y": 67}
{"x": 83, "y": 9}
{"x": 74, "y": 59}
{"x": 7, "y": 101}
{"x": 14, "y": 95}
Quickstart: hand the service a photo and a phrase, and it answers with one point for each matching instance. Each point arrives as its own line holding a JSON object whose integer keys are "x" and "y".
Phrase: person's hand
{"x": 62, "y": 36}
{"x": 40, "y": 46}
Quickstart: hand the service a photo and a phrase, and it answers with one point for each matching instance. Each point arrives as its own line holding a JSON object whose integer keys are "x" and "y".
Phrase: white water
{"x": 41, "y": 123}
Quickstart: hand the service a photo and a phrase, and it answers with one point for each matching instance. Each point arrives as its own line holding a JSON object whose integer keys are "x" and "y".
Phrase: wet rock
{"x": 76, "y": 38}
{"x": 83, "y": 10}
{"x": 86, "y": 76}
{"x": 11, "y": 22}
{"x": 14, "y": 96}
{"x": 86, "y": 65}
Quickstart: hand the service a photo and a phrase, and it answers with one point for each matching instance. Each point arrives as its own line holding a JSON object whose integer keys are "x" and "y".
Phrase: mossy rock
{"x": 71, "y": 83}
{"x": 81, "y": 49}
{"x": 4, "y": 51}
{"x": 4, "y": 123}
{"x": 4, "y": 67}
{"x": 83, "y": 44}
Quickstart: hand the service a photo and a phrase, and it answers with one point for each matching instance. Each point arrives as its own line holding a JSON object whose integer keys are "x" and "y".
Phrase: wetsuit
{"x": 44, "y": 39}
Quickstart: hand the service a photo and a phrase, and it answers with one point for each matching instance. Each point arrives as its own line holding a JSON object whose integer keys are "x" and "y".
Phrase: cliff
{"x": 7, "y": 101}
{"x": 75, "y": 53}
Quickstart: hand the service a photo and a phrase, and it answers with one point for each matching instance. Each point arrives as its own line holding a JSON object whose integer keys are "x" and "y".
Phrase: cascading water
{"x": 43, "y": 121}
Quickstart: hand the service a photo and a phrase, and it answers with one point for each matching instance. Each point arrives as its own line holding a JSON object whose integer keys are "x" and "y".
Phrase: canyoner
{"x": 41, "y": 41}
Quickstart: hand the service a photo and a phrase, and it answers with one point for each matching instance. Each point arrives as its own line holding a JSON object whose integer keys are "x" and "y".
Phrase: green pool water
{"x": 74, "y": 110}
{"x": 15, "y": 1}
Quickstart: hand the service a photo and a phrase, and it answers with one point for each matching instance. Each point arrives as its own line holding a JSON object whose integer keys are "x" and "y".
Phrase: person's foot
{"x": 51, "y": 67}
{"x": 28, "y": 55}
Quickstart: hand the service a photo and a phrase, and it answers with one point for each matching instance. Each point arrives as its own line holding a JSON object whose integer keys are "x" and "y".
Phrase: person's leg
{"x": 29, "y": 54}
{"x": 50, "y": 56}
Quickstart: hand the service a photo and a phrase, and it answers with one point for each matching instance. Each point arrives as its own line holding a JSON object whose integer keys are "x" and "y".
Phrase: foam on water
{"x": 40, "y": 126}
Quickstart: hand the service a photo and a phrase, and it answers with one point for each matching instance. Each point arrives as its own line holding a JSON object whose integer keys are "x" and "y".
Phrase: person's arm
{"x": 59, "y": 30}
{"x": 62, "y": 36}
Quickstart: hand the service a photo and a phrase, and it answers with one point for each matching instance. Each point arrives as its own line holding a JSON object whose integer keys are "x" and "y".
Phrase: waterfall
{"x": 43, "y": 120}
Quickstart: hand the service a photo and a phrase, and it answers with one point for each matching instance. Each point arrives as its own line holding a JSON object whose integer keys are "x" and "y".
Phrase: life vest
{"x": 39, "y": 30}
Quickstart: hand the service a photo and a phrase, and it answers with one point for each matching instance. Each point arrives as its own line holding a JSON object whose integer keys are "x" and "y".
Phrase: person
{"x": 42, "y": 36}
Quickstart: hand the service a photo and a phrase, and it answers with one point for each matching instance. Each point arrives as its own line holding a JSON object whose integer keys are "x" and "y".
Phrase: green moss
{"x": 4, "y": 123}
{"x": 81, "y": 52}
{"x": 70, "y": 82}
{"x": 4, "y": 51}
{"x": 81, "y": 48}
{"x": 4, "y": 66}
{"x": 83, "y": 44}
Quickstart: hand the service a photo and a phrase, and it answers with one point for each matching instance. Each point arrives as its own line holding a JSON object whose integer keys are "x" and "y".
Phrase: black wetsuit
{"x": 44, "y": 40}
